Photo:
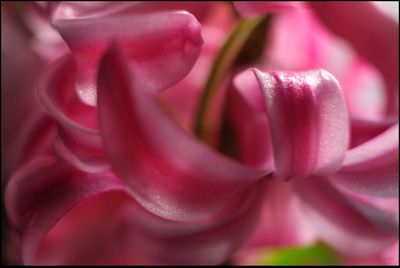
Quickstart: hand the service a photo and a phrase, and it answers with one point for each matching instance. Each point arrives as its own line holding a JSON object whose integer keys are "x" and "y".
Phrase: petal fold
{"x": 79, "y": 141}
{"x": 41, "y": 192}
{"x": 354, "y": 227}
{"x": 163, "y": 49}
{"x": 67, "y": 217}
{"x": 246, "y": 108}
{"x": 372, "y": 168}
{"x": 308, "y": 122}
{"x": 170, "y": 172}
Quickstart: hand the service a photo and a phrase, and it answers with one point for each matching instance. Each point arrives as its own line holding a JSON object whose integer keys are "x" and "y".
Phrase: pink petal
{"x": 364, "y": 89}
{"x": 215, "y": 243}
{"x": 45, "y": 40}
{"x": 45, "y": 8}
{"x": 308, "y": 122}
{"x": 25, "y": 128}
{"x": 169, "y": 171}
{"x": 391, "y": 255}
{"x": 363, "y": 130}
{"x": 80, "y": 141}
{"x": 353, "y": 227}
{"x": 372, "y": 33}
{"x": 88, "y": 163}
{"x": 282, "y": 222}
{"x": 105, "y": 8}
{"x": 253, "y": 8}
{"x": 373, "y": 167}
{"x": 245, "y": 104}
{"x": 182, "y": 99}
{"x": 68, "y": 217}
{"x": 41, "y": 192}
{"x": 163, "y": 49}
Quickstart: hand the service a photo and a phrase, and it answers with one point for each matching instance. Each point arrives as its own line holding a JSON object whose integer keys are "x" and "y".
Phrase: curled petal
{"x": 79, "y": 139}
{"x": 88, "y": 163}
{"x": 350, "y": 225}
{"x": 249, "y": 88}
{"x": 308, "y": 122}
{"x": 41, "y": 192}
{"x": 372, "y": 33}
{"x": 169, "y": 171}
{"x": 52, "y": 204}
{"x": 25, "y": 128}
{"x": 106, "y": 8}
{"x": 253, "y": 8}
{"x": 245, "y": 104}
{"x": 373, "y": 167}
{"x": 163, "y": 49}
{"x": 215, "y": 243}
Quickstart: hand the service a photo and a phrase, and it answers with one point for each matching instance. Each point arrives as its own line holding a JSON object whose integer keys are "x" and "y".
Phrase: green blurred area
{"x": 316, "y": 254}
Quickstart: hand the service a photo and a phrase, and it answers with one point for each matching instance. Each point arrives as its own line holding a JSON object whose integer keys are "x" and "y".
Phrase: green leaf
{"x": 317, "y": 254}
{"x": 244, "y": 46}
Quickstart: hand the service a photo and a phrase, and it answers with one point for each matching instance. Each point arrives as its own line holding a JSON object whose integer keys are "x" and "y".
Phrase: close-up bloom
{"x": 200, "y": 133}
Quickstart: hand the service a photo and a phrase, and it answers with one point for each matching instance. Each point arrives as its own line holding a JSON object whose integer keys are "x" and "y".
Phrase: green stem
{"x": 223, "y": 63}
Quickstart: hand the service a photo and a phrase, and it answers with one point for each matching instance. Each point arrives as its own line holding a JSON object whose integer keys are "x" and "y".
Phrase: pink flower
{"x": 114, "y": 179}
{"x": 319, "y": 119}
{"x": 373, "y": 151}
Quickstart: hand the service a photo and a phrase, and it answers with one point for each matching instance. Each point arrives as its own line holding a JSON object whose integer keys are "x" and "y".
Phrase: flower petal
{"x": 25, "y": 128}
{"x": 163, "y": 49}
{"x": 372, "y": 33}
{"x": 363, "y": 130}
{"x": 308, "y": 122}
{"x": 79, "y": 140}
{"x": 253, "y": 8}
{"x": 216, "y": 243}
{"x": 52, "y": 204}
{"x": 42, "y": 192}
{"x": 105, "y": 8}
{"x": 246, "y": 108}
{"x": 169, "y": 171}
{"x": 351, "y": 226}
{"x": 373, "y": 167}
{"x": 282, "y": 222}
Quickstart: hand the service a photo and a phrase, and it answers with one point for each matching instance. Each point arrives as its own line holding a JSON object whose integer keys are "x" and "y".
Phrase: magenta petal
{"x": 163, "y": 49}
{"x": 308, "y": 122}
{"x": 25, "y": 128}
{"x": 253, "y": 8}
{"x": 40, "y": 193}
{"x": 373, "y": 167}
{"x": 215, "y": 243}
{"x": 246, "y": 108}
{"x": 169, "y": 171}
{"x": 45, "y": 8}
{"x": 363, "y": 130}
{"x": 372, "y": 33}
{"x": 351, "y": 226}
{"x": 80, "y": 143}
{"x": 96, "y": 9}
{"x": 87, "y": 163}
{"x": 282, "y": 222}
{"x": 69, "y": 217}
